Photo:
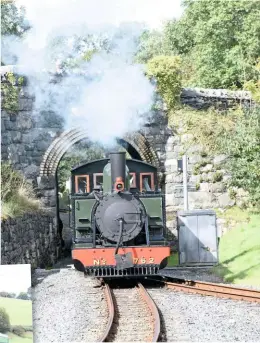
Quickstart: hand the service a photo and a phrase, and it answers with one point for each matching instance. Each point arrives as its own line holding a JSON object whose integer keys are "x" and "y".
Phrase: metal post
{"x": 185, "y": 182}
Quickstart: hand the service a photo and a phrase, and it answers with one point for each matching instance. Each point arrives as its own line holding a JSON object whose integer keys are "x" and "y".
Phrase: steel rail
{"x": 111, "y": 309}
{"x": 155, "y": 314}
{"x": 149, "y": 302}
{"x": 222, "y": 291}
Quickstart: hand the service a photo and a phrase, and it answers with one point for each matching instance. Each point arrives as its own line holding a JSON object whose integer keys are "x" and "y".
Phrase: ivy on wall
{"x": 10, "y": 90}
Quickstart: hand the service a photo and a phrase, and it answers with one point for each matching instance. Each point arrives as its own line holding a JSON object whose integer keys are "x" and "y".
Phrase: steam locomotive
{"x": 118, "y": 218}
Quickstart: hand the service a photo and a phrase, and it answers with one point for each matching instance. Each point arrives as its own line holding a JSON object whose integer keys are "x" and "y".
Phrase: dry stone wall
{"x": 32, "y": 238}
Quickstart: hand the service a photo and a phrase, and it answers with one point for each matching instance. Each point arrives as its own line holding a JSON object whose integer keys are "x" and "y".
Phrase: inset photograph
{"x": 16, "y": 325}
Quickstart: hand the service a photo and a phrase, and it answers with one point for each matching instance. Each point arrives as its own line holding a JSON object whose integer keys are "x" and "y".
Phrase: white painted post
{"x": 185, "y": 182}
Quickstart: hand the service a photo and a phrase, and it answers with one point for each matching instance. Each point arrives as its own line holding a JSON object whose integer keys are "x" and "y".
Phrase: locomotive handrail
{"x": 120, "y": 234}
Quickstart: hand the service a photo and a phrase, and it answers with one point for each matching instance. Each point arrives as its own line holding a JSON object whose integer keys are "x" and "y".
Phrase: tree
{"x": 243, "y": 149}
{"x": 23, "y": 296}
{"x": 151, "y": 44}
{"x": 4, "y": 320}
{"x": 12, "y": 19}
{"x": 167, "y": 72}
{"x": 7, "y": 295}
{"x": 218, "y": 40}
{"x": 254, "y": 85}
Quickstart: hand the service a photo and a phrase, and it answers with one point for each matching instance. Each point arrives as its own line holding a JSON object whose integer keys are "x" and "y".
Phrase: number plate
{"x": 136, "y": 260}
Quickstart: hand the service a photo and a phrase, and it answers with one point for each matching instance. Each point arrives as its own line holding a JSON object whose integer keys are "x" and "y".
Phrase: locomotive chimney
{"x": 118, "y": 162}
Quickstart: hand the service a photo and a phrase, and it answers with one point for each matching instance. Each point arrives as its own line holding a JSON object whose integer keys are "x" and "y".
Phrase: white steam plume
{"x": 108, "y": 96}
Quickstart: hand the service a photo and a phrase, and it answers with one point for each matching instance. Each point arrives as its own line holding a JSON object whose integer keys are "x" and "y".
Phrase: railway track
{"x": 213, "y": 289}
{"x": 133, "y": 316}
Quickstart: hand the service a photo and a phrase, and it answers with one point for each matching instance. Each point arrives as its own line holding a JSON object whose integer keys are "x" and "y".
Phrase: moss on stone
{"x": 217, "y": 177}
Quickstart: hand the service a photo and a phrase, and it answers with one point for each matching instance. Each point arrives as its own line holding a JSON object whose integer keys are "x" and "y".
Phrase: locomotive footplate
{"x": 124, "y": 261}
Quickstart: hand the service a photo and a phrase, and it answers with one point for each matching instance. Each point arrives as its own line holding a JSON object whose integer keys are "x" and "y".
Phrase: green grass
{"x": 17, "y": 339}
{"x": 20, "y": 311}
{"x": 239, "y": 251}
{"x": 173, "y": 260}
{"x": 17, "y": 195}
{"x": 234, "y": 214}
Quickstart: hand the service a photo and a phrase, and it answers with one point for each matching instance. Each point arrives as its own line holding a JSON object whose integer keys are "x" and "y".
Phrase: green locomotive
{"x": 118, "y": 217}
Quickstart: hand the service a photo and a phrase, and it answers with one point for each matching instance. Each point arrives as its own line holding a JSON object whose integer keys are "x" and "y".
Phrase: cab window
{"x": 97, "y": 180}
{"x": 146, "y": 182}
{"x": 132, "y": 180}
{"x": 82, "y": 184}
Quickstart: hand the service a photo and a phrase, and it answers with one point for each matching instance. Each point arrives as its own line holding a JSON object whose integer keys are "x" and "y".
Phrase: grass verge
{"x": 239, "y": 252}
{"x": 17, "y": 195}
{"x": 28, "y": 338}
{"x": 173, "y": 260}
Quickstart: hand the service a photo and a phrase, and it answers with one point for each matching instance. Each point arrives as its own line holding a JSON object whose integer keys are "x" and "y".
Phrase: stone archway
{"x": 137, "y": 143}
{"x": 62, "y": 143}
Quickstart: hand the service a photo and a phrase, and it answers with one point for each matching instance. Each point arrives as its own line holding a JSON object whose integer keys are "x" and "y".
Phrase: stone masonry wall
{"x": 207, "y": 183}
{"x": 24, "y": 138}
{"x": 206, "y": 179}
{"x": 31, "y": 239}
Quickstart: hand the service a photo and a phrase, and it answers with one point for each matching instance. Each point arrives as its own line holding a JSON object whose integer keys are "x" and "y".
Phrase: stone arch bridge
{"x": 36, "y": 149}
{"x": 137, "y": 144}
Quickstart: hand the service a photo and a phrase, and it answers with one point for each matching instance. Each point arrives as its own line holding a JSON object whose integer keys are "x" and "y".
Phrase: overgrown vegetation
{"x": 10, "y": 90}
{"x": 167, "y": 72}
{"x": 235, "y": 133}
{"x": 17, "y": 194}
{"x": 254, "y": 85}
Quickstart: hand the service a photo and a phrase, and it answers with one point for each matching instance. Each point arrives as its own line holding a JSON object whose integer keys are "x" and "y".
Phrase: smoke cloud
{"x": 107, "y": 95}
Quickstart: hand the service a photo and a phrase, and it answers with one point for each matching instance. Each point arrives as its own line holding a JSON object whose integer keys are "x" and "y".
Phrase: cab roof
{"x": 108, "y": 159}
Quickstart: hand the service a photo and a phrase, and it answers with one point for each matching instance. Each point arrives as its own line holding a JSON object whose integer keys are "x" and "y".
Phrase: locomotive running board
{"x": 124, "y": 261}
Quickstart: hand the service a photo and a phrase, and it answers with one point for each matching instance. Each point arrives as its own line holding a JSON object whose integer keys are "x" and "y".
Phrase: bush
{"x": 4, "y": 320}
{"x": 17, "y": 195}
{"x": 243, "y": 149}
{"x": 23, "y": 296}
{"x": 7, "y": 295}
{"x": 18, "y": 330}
{"x": 167, "y": 72}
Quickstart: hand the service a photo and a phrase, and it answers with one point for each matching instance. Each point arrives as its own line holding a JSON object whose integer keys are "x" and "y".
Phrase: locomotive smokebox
{"x": 118, "y": 169}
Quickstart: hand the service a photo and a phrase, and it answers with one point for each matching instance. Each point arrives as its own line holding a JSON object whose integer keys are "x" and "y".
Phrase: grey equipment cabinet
{"x": 197, "y": 237}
